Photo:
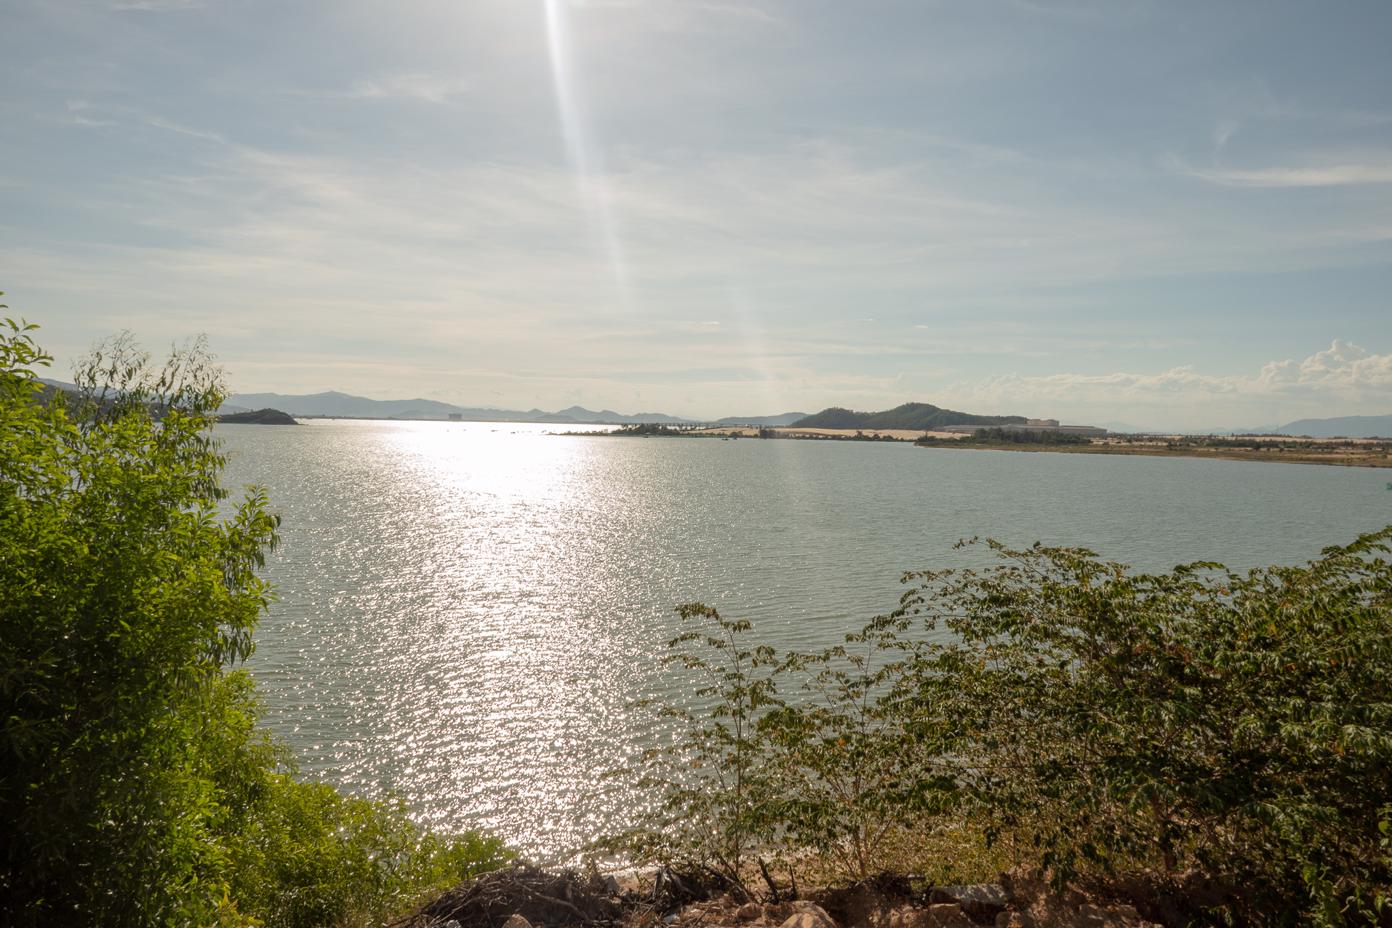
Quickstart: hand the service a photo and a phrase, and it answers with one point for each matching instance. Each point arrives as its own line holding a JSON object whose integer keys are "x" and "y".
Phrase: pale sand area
{"x": 784, "y": 432}
{"x": 1148, "y": 438}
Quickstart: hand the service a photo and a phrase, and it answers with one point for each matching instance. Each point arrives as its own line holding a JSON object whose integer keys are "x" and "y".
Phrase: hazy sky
{"x": 1163, "y": 213}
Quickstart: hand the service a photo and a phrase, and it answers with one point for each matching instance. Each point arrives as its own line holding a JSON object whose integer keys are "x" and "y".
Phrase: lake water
{"x": 467, "y": 609}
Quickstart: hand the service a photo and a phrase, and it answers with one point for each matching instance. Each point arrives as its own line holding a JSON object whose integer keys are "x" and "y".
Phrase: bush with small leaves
{"x": 712, "y": 780}
{"x": 1238, "y": 725}
{"x": 135, "y": 787}
{"x": 1206, "y": 726}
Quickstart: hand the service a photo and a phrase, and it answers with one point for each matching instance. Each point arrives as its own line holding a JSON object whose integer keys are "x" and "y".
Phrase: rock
{"x": 1029, "y": 890}
{"x": 516, "y": 921}
{"x": 626, "y": 881}
{"x": 940, "y": 915}
{"x": 1089, "y": 915}
{"x": 981, "y": 901}
{"x": 945, "y": 915}
{"x": 867, "y": 903}
{"x": 1046, "y": 907}
{"x": 749, "y": 911}
{"x": 808, "y": 915}
{"x": 1111, "y": 916}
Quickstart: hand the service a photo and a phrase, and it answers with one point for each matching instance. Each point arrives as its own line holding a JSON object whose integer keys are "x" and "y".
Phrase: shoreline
{"x": 1269, "y": 449}
{"x": 1377, "y": 455}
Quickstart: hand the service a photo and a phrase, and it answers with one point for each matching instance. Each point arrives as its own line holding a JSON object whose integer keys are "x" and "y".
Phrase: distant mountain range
{"x": 335, "y": 404}
{"x": 1340, "y": 427}
{"x": 920, "y": 416}
{"x": 787, "y": 418}
{"x": 1334, "y": 427}
{"x": 916, "y": 416}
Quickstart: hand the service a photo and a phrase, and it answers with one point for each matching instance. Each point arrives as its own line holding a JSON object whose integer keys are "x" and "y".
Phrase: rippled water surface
{"x": 467, "y": 609}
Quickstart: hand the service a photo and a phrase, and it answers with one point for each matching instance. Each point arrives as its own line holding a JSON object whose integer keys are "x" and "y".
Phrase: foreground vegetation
{"x": 135, "y": 787}
{"x": 1224, "y": 738}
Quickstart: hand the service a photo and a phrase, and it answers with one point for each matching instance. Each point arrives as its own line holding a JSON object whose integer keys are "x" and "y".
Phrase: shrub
{"x": 1235, "y": 724}
{"x": 854, "y": 763}
{"x": 782, "y": 754}
{"x": 1207, "y": 726}
{"x": 713, "y": 778}
{"x": 307, "y": 855}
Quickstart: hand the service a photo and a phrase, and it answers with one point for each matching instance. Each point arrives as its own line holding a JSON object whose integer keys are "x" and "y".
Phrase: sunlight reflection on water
{"x": 467, "y": 609}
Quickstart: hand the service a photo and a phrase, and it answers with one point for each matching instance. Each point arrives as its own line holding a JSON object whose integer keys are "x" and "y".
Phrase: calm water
{"x": 466, "y": 609}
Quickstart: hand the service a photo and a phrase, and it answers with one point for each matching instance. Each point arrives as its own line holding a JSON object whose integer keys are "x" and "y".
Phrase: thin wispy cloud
{"x": 82, "y": 113}
{"x": 169, "y": 126}
{"x": 155, "y": 6}
{"x": 688, "y": 11}
{"x": 426, "y": 88}
{"x": 1339, "y": 175}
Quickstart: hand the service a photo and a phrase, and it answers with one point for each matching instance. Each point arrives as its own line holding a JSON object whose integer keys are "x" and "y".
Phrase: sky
{"x": 1163, "y": 214}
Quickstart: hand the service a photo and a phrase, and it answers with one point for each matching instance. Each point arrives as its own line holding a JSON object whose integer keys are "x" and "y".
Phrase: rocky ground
{"x": 525, "y": 897}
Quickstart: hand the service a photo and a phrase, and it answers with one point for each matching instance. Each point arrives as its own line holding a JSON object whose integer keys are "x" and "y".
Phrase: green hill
{"x": 258, "y": 417}
{"x": 923, "y": 416}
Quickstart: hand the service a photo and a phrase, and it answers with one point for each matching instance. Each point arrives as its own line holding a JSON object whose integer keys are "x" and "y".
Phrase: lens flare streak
{"x": 583, "y": 152}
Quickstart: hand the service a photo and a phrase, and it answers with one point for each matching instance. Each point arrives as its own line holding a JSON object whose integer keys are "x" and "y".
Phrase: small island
{"x": 258, "y": 417}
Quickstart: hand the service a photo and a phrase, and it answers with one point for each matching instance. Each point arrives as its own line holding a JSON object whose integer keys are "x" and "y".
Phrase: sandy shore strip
{"x": 1356, "y": 452}
{"x": 843, "y": 434}
{"x": 1352, "y": 454}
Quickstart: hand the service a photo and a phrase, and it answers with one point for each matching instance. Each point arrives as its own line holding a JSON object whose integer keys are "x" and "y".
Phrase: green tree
{"x": 123, "y": 595}
{"x": 135, "y": 787}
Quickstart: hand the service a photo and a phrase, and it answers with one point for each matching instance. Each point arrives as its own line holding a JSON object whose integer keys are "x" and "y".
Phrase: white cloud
{"x": 1342, "y": 373}
{"x": 1348, "y": 368}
